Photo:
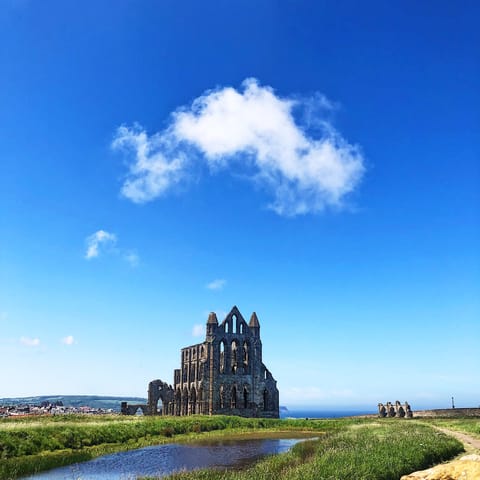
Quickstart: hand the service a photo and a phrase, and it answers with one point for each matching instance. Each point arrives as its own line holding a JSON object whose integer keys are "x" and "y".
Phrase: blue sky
{"x": 315, "y": 162}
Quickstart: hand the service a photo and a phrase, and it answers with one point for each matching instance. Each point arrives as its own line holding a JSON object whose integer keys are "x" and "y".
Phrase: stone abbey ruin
{"x": 390, "y": 410}
{"x": 224, "y": 374}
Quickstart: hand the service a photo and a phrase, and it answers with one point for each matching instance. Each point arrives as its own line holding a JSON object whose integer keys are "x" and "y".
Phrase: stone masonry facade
{"x": 225, "y": 374}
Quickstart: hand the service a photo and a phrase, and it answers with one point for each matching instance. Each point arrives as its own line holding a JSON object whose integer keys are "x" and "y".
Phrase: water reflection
{"x": 161, "y": 460}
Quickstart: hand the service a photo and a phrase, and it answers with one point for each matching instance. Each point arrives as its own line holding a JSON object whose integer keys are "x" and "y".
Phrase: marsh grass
{"x": 360, "y": 452}
{"x": 346, "y": 448}
{"x": 31, "y": 445}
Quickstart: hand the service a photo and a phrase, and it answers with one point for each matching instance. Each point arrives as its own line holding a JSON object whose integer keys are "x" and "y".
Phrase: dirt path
{"x": 464, "y": 467}
{"x": 471, "y": 444}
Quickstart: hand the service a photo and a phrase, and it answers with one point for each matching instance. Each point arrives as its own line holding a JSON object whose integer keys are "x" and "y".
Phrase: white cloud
{"x": 68, "y": 340}
{"x": 198, "y": 330}
{"x": 30, "y": 342}
{"x": 100, "y": 239}
{"x": 105, "y": 242}
{"x": 156, "y": 166}
{"x": 254, "y": 129}
{"x": 132, "y": 258}
{"x": 217, "y": 284}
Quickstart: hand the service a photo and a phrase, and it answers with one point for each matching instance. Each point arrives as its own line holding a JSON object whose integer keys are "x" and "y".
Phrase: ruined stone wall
{"x": 449, "y": 412}
{"x": 237, "y": 380}
{"x": 224, "y": 374}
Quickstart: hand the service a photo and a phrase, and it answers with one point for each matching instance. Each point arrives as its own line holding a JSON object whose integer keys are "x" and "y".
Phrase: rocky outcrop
{"x": 466, "y": 468}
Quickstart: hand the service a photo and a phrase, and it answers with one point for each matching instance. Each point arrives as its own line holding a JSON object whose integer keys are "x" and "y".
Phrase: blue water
{"x": 161, "y": 460}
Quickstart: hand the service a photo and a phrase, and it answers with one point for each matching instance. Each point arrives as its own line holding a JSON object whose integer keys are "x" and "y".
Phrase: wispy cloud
{"x": 99, "y": 240}
{"x": 156, "y": 166}
{"x": 306, "y": 165}
{"x": 30, "y": 342}
{"x": 105, "y": 242}
{"x": 198, "y": 330}
{"x": 132, "y": 258}
{"x": 68, "y": 340}
{"x": 217, "y": 284}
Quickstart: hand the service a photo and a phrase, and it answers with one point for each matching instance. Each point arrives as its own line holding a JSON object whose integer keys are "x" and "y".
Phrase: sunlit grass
{"x": 470, "y": 426}
{"x": 359, "y": 452}
{"x": 371, "y": 448}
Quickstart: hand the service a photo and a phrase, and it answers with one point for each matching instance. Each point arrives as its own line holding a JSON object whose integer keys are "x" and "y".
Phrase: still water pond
{"x": 162, "y": 460}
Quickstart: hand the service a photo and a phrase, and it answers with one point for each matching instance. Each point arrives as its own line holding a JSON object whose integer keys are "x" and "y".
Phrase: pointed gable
{"x": 254, "y": 321}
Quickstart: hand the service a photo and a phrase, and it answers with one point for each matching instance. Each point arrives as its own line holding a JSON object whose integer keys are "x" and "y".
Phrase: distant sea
{"x": 323, "y": 413}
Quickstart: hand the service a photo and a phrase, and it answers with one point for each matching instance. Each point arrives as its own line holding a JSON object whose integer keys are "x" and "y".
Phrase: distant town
{"x": 62, "y": 405}
{"x": 46, "y": 408}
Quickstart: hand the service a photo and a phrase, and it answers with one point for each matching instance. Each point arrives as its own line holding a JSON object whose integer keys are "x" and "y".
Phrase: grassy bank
{"x": 361, "y": 451}
{"x": 347, "y": 448}
{"x": 34, "y": 444}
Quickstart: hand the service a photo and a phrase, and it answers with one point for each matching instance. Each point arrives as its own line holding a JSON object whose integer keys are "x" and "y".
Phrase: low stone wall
{"x": 448, "y": 412}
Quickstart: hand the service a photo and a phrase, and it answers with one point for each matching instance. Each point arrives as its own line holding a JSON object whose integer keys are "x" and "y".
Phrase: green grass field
{"x": 345, "y": 448}
{"x": 470, "y": 426}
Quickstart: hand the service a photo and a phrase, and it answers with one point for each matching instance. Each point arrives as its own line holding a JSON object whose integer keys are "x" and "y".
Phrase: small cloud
{"x": 217, "y": 284}
{"x": 98, "y": 240}
{"x": 3, "y": 316}
{"x": 132, "y": 258}
{"x": 30, "y": 342}
{"x": 105, "y": 242}
{"x": 198, "y": 330}
{"x": 68, "y": 340}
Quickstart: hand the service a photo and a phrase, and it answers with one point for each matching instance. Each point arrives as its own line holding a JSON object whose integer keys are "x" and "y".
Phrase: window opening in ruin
{"x": 265, "y": 399}
{"x": 234, "y": 356}
{"x": 227, "y": 327}
{"x": 242, "y": 330}
{"x": 193, "y": 401}
{"x": 234, "y": 321}
{"x": 245, "y": 353}
{"x": 245, "y": 397}
{"x": 158, "y": 407}
{"x": 222, "y": 356}
{"x": 200, "y": 401}
{"x": 178, "y": 401}
{"x": 234, "y": 397}
{"x": 222, "y": 397}
{"x": 185, "y": 402}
